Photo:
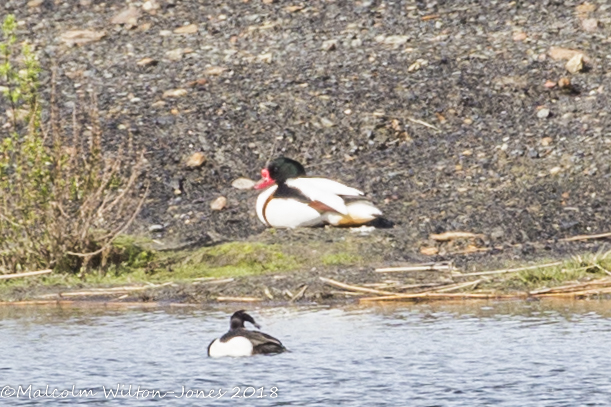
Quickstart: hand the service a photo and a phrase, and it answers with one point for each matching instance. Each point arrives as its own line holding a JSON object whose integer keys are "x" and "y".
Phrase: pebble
{"x": 543, "y": 113}
{"x": 564, "y": 83}
{"x": 555, "y": 170}
{"x": 558, "y": 53}
{"x": 156, "y": 228}
{"x": 129, "y": 17}
{"x": 326, "y": 122}
{"x": 187, "y": 29}
{"x": 147, "y": 62}
{"x": 196, "y": 160}
{"x": 35, "y": 3}
{"x": 243, "y": 183}
{"x": 575, "y": 64}
{"x": 80, "y": 37}
{"x": 174, "y": 93}
{"x": 589, "y": 24}
{"x": 218, "y": 204}
{"x": 214, "y": 70}
{"x": 519, "y": 36}
{"x": 546, "y": 141}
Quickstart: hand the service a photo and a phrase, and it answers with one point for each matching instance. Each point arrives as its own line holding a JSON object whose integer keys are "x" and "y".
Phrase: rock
{"x": 395, "y": 40}
{"x": 559, "y": 54}
{"x": 35, "y": 3}
{"x": 326, "y": 122}
{"x": 584, "y": 9}
{"x": 519, "y": 36}
{"x": 575, "y": 64}
{"x": 218, "y": 204}
{"x": 555, "y": 170}
{"x": 147, "y": 62}
{"x": 174, "y": 93}
{"x": 589, "y": 24}
{"x": 214, "y": 70}
{"x": 268, "y": 1}
{"x": 543, "y": 113}
{"x": 243, "y": 183}
{"x": 549, "y": 84}
{"x": 294, "y": 9}
{"x": 266, "y": 58}
{"x": 80, "y": 37}
{"x": 546, "y": 141}
{"x": 564, "y": 83}
{"x": 196, "y": 160}
{"x": 186, "y": 29}
{"x": 156, "y": 228}
{"x": 417, "y": 65}
{"x": 150, "y": 6}
{"x": 176, "y": 54}
{"x": 129, "y": 17}
{"x": 329, "y": 45}
{"x": 429, "y": 251}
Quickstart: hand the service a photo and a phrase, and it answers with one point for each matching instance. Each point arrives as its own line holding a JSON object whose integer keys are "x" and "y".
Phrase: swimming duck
{"x": 293, "y": 200}
{"x": 239, "y": 341}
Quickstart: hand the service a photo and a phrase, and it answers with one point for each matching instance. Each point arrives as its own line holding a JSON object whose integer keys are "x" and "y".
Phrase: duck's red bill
{"x": 265, "y": 181}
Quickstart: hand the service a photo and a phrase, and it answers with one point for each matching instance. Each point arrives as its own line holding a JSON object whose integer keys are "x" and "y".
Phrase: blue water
{"x": 478, "y": 354}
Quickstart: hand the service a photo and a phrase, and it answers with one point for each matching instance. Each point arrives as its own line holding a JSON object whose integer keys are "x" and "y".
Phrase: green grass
{"x": 341, "y": 259}
{"x": 576, "y": 269}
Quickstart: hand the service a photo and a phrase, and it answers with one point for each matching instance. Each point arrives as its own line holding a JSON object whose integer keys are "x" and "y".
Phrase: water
{"x": 478, "y": 354}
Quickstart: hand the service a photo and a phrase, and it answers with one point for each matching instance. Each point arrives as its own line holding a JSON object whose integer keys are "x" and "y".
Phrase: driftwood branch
{"x": 238, "y": 299}
{"x": 418, "y": 267}
{"x": 585, "y": 237}
{"x": 442, "y": 296}
{"x": 28, "y": 274}
{"x": 513, "y": 270}
{"x": 354, "y": 287}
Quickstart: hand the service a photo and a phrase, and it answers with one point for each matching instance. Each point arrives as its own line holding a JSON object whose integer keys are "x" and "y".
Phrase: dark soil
{"x": 345, "y": 87}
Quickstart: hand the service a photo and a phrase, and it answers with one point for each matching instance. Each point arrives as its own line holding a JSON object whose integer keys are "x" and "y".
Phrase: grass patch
{"x": 579, "y": 268}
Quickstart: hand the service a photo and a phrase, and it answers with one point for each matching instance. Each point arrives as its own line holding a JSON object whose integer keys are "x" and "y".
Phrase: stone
{"x": 156, "y": 228}
{"x": 589, "y": 24}
{"x": 196, "y": 160}
{"x": 129, "y": 17}
{"x": 147, "y": 62}
{"x": 543, "y": 113}
{"x": 218, "y": 204}
{"x": 174, "y": 93}
{"x": 187, "y": 29}
{"x": 243, "y": 183}
{"x": 575, "y": 64}
{"x": 214, "y": 70}
{"x": 81, "y": 37}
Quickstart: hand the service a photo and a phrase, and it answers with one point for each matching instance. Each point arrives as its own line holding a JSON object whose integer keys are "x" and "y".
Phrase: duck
{"x": 290, "y": 199}
{"x": 239, "y": 341}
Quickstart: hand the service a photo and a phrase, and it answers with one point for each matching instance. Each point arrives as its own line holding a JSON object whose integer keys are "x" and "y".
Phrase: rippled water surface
{"x": 480, "y": 354}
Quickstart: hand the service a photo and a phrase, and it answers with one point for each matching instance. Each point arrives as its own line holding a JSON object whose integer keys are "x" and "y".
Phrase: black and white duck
{"x": 240, "y": 341}
{"x": 291, "y": 199}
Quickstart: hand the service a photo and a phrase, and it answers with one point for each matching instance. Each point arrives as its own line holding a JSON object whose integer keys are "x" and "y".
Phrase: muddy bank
{"x": 449, "y": 115}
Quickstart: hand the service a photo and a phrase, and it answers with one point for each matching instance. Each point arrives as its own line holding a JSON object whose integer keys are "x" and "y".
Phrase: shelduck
{"x": 240, "y": 341}
{"x": 291, "y": 199}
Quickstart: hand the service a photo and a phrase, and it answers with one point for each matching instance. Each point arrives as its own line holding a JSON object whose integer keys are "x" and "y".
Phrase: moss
{"x": 237, "y": 259}
{"x": 341, "y": 259}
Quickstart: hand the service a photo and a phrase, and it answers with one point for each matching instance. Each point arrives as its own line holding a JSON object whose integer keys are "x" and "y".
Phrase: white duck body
{"x": 322, "y": 201}
{"x": 235, "y": 347}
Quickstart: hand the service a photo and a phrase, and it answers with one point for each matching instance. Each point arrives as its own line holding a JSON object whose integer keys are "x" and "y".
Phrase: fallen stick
{"x": 345, "y": 293}
{"x": 299, "y": 294}
{"x": 572, "y": 287}
{"x": 238, "y": 299}
{"x": 442, "y": 296}
{"x": 411, "y": 119}
{"x": 354, "y": 287}
{"x": 604, "y": 290}
{"x": 485, "y": 273}
{"x": 447, "y": 236}
{"x": 213, "y": 282}
{"x": 28, "y": 274}
{"x": 104, "y": 291}
{"x": 453, "y": 287}
{"x": 585, "y": 237}
{"x": 419, "y": 267}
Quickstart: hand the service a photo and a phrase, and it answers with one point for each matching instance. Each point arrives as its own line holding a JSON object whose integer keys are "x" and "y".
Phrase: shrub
{"x": 63, "y": 199}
